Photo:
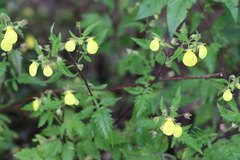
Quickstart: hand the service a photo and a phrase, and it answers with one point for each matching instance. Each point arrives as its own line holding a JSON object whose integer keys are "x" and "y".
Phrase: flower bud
{"x": 154, "y": 45}
{"x": 92, "y": 46}
{"x": 70, "y": 45}
{"x": 189, "y": 59}
{"x": 227, "y": 95}
{"x": 36, "y": 104}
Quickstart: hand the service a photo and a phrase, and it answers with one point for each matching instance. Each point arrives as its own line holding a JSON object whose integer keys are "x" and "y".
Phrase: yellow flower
{"x": 47, "y": 71}
{"x": 33, "y": 68}
{"x": 227, "y": 95}
{"x": 168, "y": 127}
{"x": 92, "y": 46}
{"x": 178, "y": 131}
{"x": 189, "y": 59}
{"x": 36, "y": 104}
{"x": 70, "y": 45}
{"x": 6, "y": 46}
{"x": 10, "y": 36}
{"x": 202, "y": 52}
{"x": 154, "y": 45}
{"x": 69, "y": 98}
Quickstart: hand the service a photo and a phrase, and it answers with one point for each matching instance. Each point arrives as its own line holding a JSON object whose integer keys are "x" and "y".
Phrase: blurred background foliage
{"x": 212, "y": 19}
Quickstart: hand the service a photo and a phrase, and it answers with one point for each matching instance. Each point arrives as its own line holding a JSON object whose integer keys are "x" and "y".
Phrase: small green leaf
{"x": 27, "y": 153}
{"x": 87, "y": 58}
{"x": 73, "y": 35}
{"x": 56, "y": 44}
{"x": 38, "y": 49}
{"x": 141, "y": 103}
{"x": 109, "y": 101}
{"x": 176, "y": 53}
{"x": 162, "y": 105}
{"x": 80, "y": 150}
{"x": 56, "y": 75}
{"x": 175, "y": 103}
{"x": 100, "y": 37}
{"x": 16, "y": 58}
{"x": 3, "y": 67}
{"x": 134, "y": 90}
{"x": 64, "y": 70}
{"x": 68, "y": 151}
{"x": 91, "y": 149}
{"x": 80, "y": 128}
{"x": 89, "y": 29}
{"x": 85, "y": 113}
{"x": 145, "y": 44}
{"x": 44, "y": 118}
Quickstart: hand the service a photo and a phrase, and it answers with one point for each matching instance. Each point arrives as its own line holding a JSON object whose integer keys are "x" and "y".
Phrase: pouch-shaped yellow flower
{"x": 6, "y": 46}
{"x": 92, "y": 46}
{"x": 70, "y": 45}
{"x": 69, "y": 98}
{"x": 189, "y": 59}
{"x": 178, "y": 131}
{"x": 202, "y": 52}
{"x": 227, "y": 95}
{"x": 36, "y": 104}
{"x": 47, "y": 71}
{"x": 154, "y": 45}
{"x": 10, "y": 36}
{"x": 168, "y": 127}
{"x": 33, "y": 68}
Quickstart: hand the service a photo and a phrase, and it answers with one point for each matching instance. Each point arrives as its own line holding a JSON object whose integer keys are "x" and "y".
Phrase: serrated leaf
{"x": 175, "y": 103}
{"x": 28, "y": 154}
{"x": 16, "y": 58}
{"x": 211, "y": 59}
{"x": 64, "y": 70}
{"x": 38, "y": 48}
{"x": 134, "y": 90}
{"x": 176, "y": 53}
{"x": 144, "y": 43}
{"x": 3, "y": 67}
{"x": 229, "y": 115}
{"x": 80, "y": 128}
{"x": 89, "y": 29}
{"x": 100, "y": 37}
{"x": 91, "y": 149}
{"x": 53, "y": 130}
{"x": 52, "y": 105}
{"x": 66, "y": 126}
{"x": 44, "y": 118}
{"x": 232, "y": 104}
{"x": 25, "y": 78}
{"x": 87, "y": 58}
{"x": 103, "y": 121}
{"x": 181, "y": 37}
{"x": 99, "y": 87}
{"x": 109, "y": 101}
{"x": 68, "y": 151}
{"x": 149, "y": 8}
{"x": 56, "y": 44}
{"x": 56, "y": 75}
{"x": 140, "y": 104}
{"x": 85, "y": 113}
{"x": 176, "y": 13}
{"x": 162, "y": 105}
{"x": 80, "y": 150}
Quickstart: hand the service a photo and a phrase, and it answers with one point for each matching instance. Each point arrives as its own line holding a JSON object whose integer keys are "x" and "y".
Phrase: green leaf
{"x": 175, "y": 103}
{"x": 100, "y": 37}
{"x": 85, "y": 113}
{"x": 73, "y": 35}
{"x": 89, "y": 29}
{"x": 149, "y": 8}
{"x": 52, "y": 105}
{"x": 211, "y": 59}
{"x": 109, "y": 101}
{"x": 50, "y": 149}
{"x": 232, "y": 104}
{"x": 3, "y": 67}
{"x": 87, "y": 58}
{"x": 134, "y": 90}
{"x": 51, "y": 131}
{"x": 103, "y": 121}
{"x": 229, "y": 115}
{"x": 56, "y": 44}
{"x": 64, "y": 70}
{"x": 38, "y": 48}
{"x": 16, "y": 58}
{"x": 176, "y": 53}
{"x": 141, "y": 103}
{"x": 66, "y": 126}
{"x": 91, "y": 149}
{"x": 80, "y": 150}
{"x": 233, "y": 8}
{"x": 68, "y": 151}
{"x": 80, "y": 128}
{"x": 44, "y": 118}
{"x": 162, "y": 105}
{"x": 181, "y": 37}
{"x": 56, "y": 75}
{"x": 25, "y": 78}
{"x": 176, "y": 13}
{"x": 27, "y": 154}
{"x": 28, "y": 107}
{"x": 145, "y": 44}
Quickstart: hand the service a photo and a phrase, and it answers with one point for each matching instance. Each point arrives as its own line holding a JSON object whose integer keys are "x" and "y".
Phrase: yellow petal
{"x": 36, "y": 104}
{"x": 154, "y": 45}
{"x": 189, "y": 59}
{"x": 178, "y": 131}
{"x": 168, "y": 127}
{"x": 202, "y": 52}
{"x": 227, "y": 95}
{"x": 10, "y": 36}
{"x": 47, "y": 71}
{"x": 70, "y": 45}
{"x": 6, "y": 46}
{"x": 33, "y": 69}
{"x": 69, "y": 98}
{"x": 92, "y": 46}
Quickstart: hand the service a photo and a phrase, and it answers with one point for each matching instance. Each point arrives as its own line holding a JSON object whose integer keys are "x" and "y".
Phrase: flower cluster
{"x": 10, "y": 38}
{"x": 170, "y": 128}
{"x": 47, "y": 70}
{"x": 190, "y": 59}
{"x": 92, "y": 46}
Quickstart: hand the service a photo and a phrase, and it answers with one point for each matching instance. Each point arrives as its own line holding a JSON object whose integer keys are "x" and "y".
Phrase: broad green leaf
{"x": 232, "y": 6}
{"x": 52, "y": 105}
{"x": 89, "y": 29}
{"x": 100, "y": 37}
{"x": 56, "y": 75}
{"x": 91, "y": 149}
{"x": 144, "y": 43}
{"x": 149, "y": 8}
{"x": 16, "y": 58}
{"x": 50, "y": 149}
{"x": 27, "y": 154}
{"x": 141, "y": 103}
{"x": 229, "y": 115}
{"x": 53, "y": 130}
{"x": 103, "y": 121}
{"x": 68, "y": 151}
{"x": 232, "y": 104}
{"x": 80, "y": 150}
{"x": 28, "y": 107}
{"x": 3, "y": 67}
{"x": 109, "y": 101}
{"x": 176, "y": 13}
